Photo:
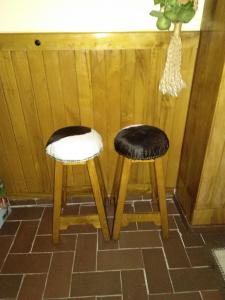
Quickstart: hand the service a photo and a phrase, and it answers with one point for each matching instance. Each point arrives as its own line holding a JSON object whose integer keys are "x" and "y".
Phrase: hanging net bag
{"x": 177, "y": 12}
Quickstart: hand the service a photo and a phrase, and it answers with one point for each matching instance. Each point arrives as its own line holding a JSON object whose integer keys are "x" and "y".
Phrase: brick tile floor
{"x": 140, "y": 266}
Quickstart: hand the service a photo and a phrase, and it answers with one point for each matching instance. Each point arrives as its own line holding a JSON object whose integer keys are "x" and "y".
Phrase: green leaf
{"x": 172, "y": 2}
{"x": 157, "y": 2}
{"x": 170, "y": 14}
{"x": 185, "y": 15}
{"x": 155, "y": 13}
{"x": 163, "y": 23}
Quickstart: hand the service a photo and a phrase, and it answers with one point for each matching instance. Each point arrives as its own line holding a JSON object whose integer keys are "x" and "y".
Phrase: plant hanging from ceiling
{"x": 176, "y": 12}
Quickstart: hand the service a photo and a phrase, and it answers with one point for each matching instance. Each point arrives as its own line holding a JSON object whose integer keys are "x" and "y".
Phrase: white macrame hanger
{"x": 171, "y": 82}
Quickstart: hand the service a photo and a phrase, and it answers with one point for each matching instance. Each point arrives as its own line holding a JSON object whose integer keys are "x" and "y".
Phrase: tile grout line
{"x": 96, "y": 251}
{"x": 74, "y": 254}
{"x": 35, "y": 235}
{"x": 3, "y": 263}
{"x": 167, "y": 265}
{"x": 47, "y": 274}
{"x": 121, "y": 284}
{"x": 180, "y": 235}
{"x": 21, "y": 283}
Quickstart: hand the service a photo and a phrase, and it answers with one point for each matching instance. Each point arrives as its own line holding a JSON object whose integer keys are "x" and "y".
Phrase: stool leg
{"x": 153, "y": 181}
{"x": 57, "y": 200}
{"x": 117, "y": 179}
{"x": 101, "y": 178}
{"x": 64, "y": 176}
{"x": 162, "y": 196}
{"x": 98, "y": 198}
{"x": 121, "y": 197}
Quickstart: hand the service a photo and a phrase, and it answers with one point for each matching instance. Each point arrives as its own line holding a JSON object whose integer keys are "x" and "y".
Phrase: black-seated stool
{"x": 147, "y": 144}
{"x": 75, "y": 145}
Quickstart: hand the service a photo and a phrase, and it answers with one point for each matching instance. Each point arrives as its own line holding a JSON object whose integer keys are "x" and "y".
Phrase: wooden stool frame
{"x": 120, "y": 189}
{"x": 97, "y": 220}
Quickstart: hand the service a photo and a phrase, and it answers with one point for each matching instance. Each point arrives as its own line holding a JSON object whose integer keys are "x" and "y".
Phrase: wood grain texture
{"x": 102, "y": 81}
{"x": 201, "y": 187}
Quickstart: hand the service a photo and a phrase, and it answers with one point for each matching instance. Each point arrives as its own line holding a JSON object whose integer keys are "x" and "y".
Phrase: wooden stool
{"x": 72, "y": 146}
{"x": 145, "y": 144}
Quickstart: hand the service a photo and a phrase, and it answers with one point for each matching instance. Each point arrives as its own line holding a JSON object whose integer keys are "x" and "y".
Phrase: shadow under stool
{"x": 76, "y": 145}
{"x": 140, "y": 144}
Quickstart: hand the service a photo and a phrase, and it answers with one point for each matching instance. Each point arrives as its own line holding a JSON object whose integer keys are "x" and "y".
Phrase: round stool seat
{"x": 141, "y": 142}
{"x": 74, "y": 143}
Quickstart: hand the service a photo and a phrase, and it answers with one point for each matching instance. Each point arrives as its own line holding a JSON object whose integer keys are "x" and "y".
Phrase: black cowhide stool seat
{"x": 75, "y": 145}
{"x": 146, "y": 144}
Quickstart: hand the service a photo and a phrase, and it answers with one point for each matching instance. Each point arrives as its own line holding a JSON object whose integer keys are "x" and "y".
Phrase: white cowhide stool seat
{"x": 75, "y": 145}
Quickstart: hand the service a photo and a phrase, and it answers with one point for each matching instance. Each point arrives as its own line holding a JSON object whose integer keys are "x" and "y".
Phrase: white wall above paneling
{"x": 82, "y": 16}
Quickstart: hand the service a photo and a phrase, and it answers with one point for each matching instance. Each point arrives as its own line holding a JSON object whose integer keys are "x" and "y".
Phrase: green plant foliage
{"x": 171, "y": 11}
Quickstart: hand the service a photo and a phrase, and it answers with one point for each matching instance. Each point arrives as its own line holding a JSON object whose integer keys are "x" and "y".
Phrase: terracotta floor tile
{"x": 156, "y": 271}
{"x": 5, "y": 243}
{"x": 152, "y": 226}
{"x": 96, "y": 283}
{"x": 58, "y": 281}
{"x": 124, "y": 267}
{"x": 43, "y": 243}
{"x": 119, "y": 259}
{"x": 215, "y": 238}
{"x": 212, "y": 295}
{"x": 26, "y": 263}
{"x": 139, "y": 239}
{"x": 142, "y": 206}
{"x": 175, "y": 252}
{"x": 9, "y": 286}
{"x": 45, "y": 226}
{"x": 24, "y": 237}
{"x": 195, "y": 279}
{"x": 200, "y": 256}
{"x": 133, "y": 285}
{"x": 106, "y": 245}
{"x": 32, "y": 287}
{"x": 20, "y": 202}
{"x": 70, "y": 210}
{"x": 26, "y": 213}
{"x": 189, "y": 238}
{"x": 9, "y": 228}
{"x": 109, "y": 298}
{"x": 177, "y": 296}
{"x": 85, "y": 257}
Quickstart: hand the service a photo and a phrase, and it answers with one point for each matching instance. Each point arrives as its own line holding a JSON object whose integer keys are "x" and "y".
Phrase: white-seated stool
{"x": 75, "y": 145}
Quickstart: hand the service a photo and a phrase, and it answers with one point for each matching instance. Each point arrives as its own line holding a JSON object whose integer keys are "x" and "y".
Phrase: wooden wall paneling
{"x": 113, "y": 85}
{"x": 11, "y": 168}
{"x": 85, "y": 98}
{"x": 141, "y": 101}
{"x": 107, "y": 87}
{"x": 98, "y": 82}
{"x": 32, "y": 123}
{"x": 52, "y": 69}
{"x": 43, "y": 106}
{"x": 70, "y": 99}
{"x": 203, "y": 99}
{"x": 211, "y": 192}
{"x": 180, "y": 113}
{"x": 128, "y": 68}
{"x": 18, "y": 122}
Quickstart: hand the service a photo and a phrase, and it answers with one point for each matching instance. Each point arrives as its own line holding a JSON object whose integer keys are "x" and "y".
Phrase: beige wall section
{"x": 81, "y": 79}
{"x": 82, "y": 16}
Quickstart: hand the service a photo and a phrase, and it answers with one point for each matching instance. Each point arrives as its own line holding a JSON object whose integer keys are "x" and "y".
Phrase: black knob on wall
{"x": 37, "y": 42}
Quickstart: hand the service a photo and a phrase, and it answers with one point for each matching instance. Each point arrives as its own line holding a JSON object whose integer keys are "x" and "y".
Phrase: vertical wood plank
{"x": 18, "y": 122}
{"x": 113, "y": 84}
{"x": 11, "y": 167}
{"x": 35, "y": 141}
